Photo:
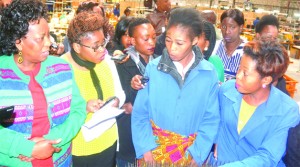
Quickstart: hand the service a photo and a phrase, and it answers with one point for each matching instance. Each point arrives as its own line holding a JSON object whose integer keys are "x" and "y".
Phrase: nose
{"x": 152, "y": 42}
{"x": 227, "y": 30}
{"x": 238, "y": 74}
{"x": 173, "y": 47}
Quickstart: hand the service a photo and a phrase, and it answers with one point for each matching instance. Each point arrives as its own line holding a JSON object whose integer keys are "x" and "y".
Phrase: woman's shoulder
{"x": 55, "y": 59}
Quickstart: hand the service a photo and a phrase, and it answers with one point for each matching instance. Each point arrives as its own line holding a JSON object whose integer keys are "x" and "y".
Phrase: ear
{"x": 267, "y": 80}
{"x": 195, "y": 41}
{"x": 76, "y": 47}
{"x": 241, "y": 28}
{"x": 207, "y": 43}
{"x": 132, "y": 41}
{"x": 257, "y": 35}
{"x": 19, "y": 44}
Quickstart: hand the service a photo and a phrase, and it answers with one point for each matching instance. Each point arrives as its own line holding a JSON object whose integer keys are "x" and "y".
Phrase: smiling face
{"x": 125, "y": 40}
{"x": 231, "y": 30}
{"x": 36, "y": 43}
{"x": 90, "y": 47}
{"x": 179, "y": 44}
{"x": 144, "y": 39}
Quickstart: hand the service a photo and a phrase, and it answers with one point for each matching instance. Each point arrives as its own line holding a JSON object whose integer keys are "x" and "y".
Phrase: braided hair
{"x": 210, "y": 35}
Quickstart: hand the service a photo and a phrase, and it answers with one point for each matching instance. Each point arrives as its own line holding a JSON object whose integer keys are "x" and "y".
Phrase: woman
{"x": 179, "y": 100}
{"x": 230, "y": 49}
{"x": 121, "y": 39}
{"x": 206, "y": 43}
{"x": 256, "y": 116}
{"x": 97, "y": 78}
{"x": 46, "y": 100}
{"x": 108, "y": 29}
{"x": 143, "y": 38}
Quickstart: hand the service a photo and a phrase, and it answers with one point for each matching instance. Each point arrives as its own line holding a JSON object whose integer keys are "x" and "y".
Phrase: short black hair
{"x": 15, "y": 22}
{"x": 235, "y": 14}
{"x": 127, "y": 10}
{"x": 266, "y": 20}
{"x": 136, "y": 22}
{"x": 189, "y": 18}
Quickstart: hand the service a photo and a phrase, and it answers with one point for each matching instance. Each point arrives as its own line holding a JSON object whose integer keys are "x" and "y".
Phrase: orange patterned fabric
{"x": 172, "y": 147}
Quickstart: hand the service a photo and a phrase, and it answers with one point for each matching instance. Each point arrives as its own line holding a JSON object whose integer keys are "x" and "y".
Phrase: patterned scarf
{"x": 172, "y": 147}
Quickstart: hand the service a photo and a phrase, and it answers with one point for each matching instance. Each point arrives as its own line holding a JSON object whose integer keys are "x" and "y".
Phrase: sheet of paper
{"x": 101, "y": 121}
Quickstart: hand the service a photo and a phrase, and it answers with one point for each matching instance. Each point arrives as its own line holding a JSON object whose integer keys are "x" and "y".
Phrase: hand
{"x": 61, "y": 49}
{"x": 216, "y": 152}
{"x": 94, "y": 105}
{"x": 24, "y": 158}
{"x": 118, "y": 53}
{"x": 136, "y": 82}
{"x": 116, "y": 102}
{"x": 148, "y": 158}
{"x": 128, "y": 108}
{"x": 56, "y": 49}
{"x": 44, "y": 149}
{"x": 193, "y": 163}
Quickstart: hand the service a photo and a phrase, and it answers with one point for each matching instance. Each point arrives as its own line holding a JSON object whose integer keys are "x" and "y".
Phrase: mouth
{"x": 45, "y": 53}
{"x": 227, "y": 38}
{"x": 151, "y": 49}
{"x": 102, "y": 57}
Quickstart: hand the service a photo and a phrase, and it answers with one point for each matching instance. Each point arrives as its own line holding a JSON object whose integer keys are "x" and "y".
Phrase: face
{"x": 94, "y": 50}
{"x": 163, "y": 5}
{"x": 179, "y": 44}
{"x": 202, "y": 42}
{"x": 248, "y": 80}
{"x": 36, "y": 43}
{"x": 269, "y": 30}
{"x": 230, "y": 30}
{"x": 144, "y": 39}
{"x": 125, "y": 40}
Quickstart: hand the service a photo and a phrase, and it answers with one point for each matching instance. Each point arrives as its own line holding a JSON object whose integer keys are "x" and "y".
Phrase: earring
{"x": 206, "y": 48}
{"x": 263, "y": 86}
{"x": 20, "y": 58}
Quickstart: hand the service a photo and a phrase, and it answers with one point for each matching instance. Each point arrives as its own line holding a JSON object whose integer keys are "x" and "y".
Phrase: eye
{"x": 40, "y": 38}
{"x": 223, "y": 27}
{"x": 168, "y": 40}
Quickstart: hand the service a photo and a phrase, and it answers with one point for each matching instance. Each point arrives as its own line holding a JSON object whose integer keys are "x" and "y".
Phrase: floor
{"x": 294, "y": 72}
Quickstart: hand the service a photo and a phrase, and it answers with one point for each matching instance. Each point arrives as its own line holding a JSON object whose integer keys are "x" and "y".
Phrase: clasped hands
{"x": 42, "y": 149}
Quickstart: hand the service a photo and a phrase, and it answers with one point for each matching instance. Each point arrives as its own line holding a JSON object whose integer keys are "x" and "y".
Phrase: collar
{"x": 183, "y": 70}
{"x": 166, "y": 65}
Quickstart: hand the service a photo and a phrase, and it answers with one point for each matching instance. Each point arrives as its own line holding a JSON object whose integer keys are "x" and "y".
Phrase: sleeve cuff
{"x": 25, "y": 148}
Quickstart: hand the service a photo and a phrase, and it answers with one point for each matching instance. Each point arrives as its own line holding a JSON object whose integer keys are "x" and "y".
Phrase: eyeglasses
{"x": 95, "y": 48}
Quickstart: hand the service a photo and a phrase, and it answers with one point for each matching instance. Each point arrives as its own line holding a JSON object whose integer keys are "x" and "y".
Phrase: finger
{"x": 57, "y": 149}
{"x": 54, "y": 141}
{"x": 37, "y": 139}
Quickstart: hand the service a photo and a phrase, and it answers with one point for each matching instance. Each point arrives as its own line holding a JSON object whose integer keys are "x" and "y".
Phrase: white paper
{"x": 101, "y": 121}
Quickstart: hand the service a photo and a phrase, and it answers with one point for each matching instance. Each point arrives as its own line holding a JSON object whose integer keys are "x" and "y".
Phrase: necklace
{"x": 230, "y": 52}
